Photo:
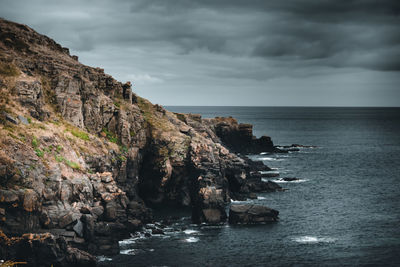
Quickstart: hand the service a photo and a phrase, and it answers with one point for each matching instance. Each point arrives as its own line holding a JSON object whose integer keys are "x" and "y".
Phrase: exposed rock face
{"x": 251, "y": 214}
{"x": 239, "y": 137}
{"x": 91, "y": 154}
{"x": 40, "y": 249}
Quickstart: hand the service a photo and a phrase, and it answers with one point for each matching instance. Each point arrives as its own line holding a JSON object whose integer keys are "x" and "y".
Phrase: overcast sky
{"x": 232, "y": 52}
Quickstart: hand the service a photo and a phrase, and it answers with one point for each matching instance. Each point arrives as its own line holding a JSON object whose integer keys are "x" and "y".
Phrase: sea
{"x": 343, "y": 211}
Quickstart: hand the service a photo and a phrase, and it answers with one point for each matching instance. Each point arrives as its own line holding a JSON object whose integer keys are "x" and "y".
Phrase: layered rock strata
{"x": 82, "y": 157}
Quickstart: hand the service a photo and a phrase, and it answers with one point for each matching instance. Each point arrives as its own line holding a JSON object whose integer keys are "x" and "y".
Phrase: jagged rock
{"x": 31, "y": 95}
{"x": 157, "y": 232}
{"x": 42, "y": 250}
{"x": 30, "y": 202}
{"x": 10, "y": 118}
{"x": 289, "y": 179}
{"x": 251, "y": 214}
{"x": 78, "y": 228}
{"x": 23, "y": 120}
{"x": 101, "y": 152}
{"x": 111, "y": 211}
{"x": 66, "y": 219}
{"x": 8, "y": 196}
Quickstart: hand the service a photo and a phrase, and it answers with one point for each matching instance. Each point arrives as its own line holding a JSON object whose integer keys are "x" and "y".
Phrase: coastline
{"x": 83, "y": 158}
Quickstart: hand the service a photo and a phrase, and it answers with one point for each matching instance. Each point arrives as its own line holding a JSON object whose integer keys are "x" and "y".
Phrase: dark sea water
{"x": 345, "y": 210}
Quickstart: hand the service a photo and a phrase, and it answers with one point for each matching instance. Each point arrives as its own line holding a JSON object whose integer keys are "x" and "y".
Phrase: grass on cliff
{"x": 112, "y": 137}
{"x": 80, "y": 134}
{"x": 75, "y": 131}
{"x": 152, "y": 116}
{"x": 8, "y": 69}
{"x": 67, "y": 162}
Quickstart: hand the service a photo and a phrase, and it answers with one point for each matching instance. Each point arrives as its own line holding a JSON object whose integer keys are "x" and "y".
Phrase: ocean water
{"x": 344, "y": 210}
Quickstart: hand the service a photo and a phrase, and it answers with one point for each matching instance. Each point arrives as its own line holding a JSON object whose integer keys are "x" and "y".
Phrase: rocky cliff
{"x": 82, "y": 158}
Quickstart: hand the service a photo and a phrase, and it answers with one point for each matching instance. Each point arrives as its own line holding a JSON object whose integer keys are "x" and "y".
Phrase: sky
{"x": 232, "y": 52}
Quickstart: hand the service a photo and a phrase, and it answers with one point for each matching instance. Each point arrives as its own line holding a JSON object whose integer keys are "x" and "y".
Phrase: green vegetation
{"x": 123, "y": 149}
{"x": 69, "y": 163}
{"x": 29, "y": 119}
{"x": 80, "y": 134}
{"x": 110, "y": 136}
{"x": 48, "y": 149}
{"x": 39, "y": 152}
{"x": 117, "y": 104}
{"x": 35, "y": 142}
{"x": 59, "y": 148}
{"x": 8, "y": 69}
{"x": 37, "y": 126}
{"x": 59, "y": 158}
{"x": 72, "y": 164}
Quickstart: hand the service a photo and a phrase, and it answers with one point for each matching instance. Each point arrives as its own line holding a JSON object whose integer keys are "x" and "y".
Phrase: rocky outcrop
{"x": 91, "y": 156}
{"x": 41, "y": 249}
{"x": 239, "y": 136}
{"x": 251, "y": 214}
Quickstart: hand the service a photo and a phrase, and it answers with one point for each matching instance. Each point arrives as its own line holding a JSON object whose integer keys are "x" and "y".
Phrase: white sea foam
{"x": 295, "y": 181}
{"x": 267, "y": 158}
{"x": 313, "y": 239}
{"x": 192, "y": 239}
{"x": 103, "y": 258}
{"x": 128, "y": 251}
{"x": 190, "y": 231}
{"x": 237, "y": 201}
{"x": 260, "y": 198}
{"x": 127, "y": 241}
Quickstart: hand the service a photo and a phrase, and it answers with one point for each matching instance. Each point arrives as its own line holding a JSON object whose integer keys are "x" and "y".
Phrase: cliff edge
{"x": 82, "y": 158}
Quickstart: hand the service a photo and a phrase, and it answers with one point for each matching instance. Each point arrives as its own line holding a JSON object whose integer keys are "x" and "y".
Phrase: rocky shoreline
{"x": 83, "y": 159}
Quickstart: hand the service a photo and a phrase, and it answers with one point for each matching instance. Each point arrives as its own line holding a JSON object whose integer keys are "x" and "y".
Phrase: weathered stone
{"x": 106, "y": 177}
{"x": 11, "y": 118}
{"x": 78, "y": 228}
{"x": 98, "y": 211}
{"x": 23, "y": 120}
{"x": 30, "y": 200}
{"x": 66, "y": 219}
{"x": 8, "y": 196}
{"x": 111, "y": 211}
{"x": 251, "y": 214}
{"x": 137, "y": 153}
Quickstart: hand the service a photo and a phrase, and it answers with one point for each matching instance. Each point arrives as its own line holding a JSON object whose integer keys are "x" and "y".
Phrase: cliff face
{"x": 82, "y": 157}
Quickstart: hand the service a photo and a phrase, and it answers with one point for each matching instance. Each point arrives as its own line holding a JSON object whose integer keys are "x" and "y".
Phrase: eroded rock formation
{"x": 82, "y": 157}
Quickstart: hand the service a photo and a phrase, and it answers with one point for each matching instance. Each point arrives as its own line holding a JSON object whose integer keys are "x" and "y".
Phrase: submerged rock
{"x": 251, "y": 214}
{"x": 289, "y": 179}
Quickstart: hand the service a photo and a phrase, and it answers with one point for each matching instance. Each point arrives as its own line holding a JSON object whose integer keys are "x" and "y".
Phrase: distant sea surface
{"x": 344, "y": 210}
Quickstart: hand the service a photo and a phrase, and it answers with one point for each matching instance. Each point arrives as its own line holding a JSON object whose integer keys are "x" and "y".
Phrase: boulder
{"x": 251, "y": 214}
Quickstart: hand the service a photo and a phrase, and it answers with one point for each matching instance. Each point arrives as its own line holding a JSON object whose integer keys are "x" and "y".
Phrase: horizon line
{"x": 281, "y": 106}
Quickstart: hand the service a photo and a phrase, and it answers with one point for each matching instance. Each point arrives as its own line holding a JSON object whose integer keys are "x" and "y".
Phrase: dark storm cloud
{"x": 338, "y": 33}
{"x": 216, "y": 43}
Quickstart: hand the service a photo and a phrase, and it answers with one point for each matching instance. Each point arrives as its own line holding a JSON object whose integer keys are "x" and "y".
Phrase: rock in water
{"x": 251, "y": 214}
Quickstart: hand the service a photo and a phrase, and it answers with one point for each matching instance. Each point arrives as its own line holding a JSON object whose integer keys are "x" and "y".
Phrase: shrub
{"x": 39, "y": 152}
{"x": 59, "y": 148}
{"x": 73, "y": 165}
{"x": 35, "y": 142}
{"x": 110, "y": 136}
{"x": 59, "y": 158}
